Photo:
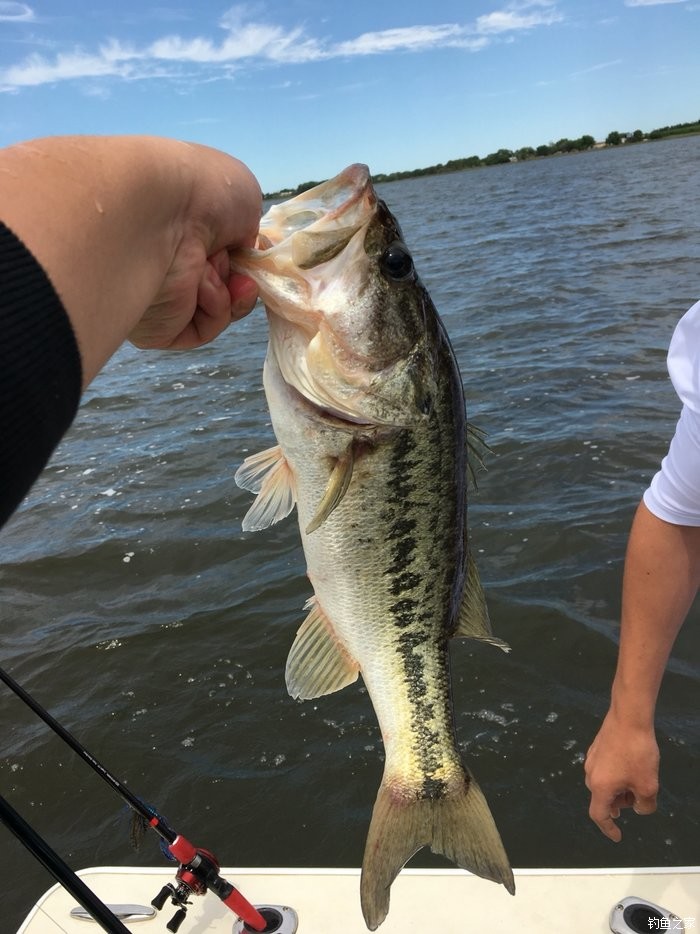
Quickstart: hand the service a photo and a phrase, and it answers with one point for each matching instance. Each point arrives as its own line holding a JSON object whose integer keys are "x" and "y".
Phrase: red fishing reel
{"x": 198, "y": 872}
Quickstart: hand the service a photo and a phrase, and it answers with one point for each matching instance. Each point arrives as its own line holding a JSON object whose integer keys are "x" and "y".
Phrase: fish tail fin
{"x": 458, "y": 825}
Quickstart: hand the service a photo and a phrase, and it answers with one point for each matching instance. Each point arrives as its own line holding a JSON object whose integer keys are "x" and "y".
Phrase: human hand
{"x": 199, "y": 295}
{"x": 133, "y": 232}
{"x": 622, "y": 770}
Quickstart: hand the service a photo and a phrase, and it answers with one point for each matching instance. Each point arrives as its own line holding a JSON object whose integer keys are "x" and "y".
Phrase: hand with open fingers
{"x": 622, "y": 771}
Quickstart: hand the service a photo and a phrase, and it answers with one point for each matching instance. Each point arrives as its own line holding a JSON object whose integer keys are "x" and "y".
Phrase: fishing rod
{"x": 50, "y": 860}
{"x": 199, "y": 869}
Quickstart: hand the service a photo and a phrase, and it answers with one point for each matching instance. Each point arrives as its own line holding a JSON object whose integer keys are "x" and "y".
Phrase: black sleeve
{"x": 40, "y": 371}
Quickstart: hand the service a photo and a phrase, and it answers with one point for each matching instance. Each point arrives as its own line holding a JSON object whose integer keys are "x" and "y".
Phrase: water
{"x": 135, "y": 609}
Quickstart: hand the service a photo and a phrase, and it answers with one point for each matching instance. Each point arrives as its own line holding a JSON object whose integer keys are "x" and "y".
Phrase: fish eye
{"x": 396, "y": 262}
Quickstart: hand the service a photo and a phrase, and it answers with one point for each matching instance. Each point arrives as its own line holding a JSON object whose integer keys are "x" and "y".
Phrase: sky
{"x": 298, "y": 89}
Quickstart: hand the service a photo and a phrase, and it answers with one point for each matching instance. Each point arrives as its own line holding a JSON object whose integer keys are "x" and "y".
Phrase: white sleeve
{"x": 684, "y": 358}
{"x": 674, "y": 493}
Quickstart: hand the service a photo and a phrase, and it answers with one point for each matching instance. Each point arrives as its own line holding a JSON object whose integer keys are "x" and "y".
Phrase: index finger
{"x": 602, "y": 813}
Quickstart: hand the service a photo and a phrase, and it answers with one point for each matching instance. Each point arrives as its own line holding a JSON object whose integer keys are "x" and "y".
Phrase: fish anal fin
{"x": 269, "y": 476}
{"x": 337, "y": 486}
{"x": 474, "y": 622}
{"x": 318, "y": 663}
{"x": 459, "y": 825}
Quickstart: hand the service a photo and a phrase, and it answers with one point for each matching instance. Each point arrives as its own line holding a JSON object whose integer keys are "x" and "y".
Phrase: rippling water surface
{"x": 136, "y": 610}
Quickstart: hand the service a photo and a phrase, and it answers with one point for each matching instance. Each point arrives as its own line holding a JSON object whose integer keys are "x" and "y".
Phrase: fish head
{"x": 347, "y": 312}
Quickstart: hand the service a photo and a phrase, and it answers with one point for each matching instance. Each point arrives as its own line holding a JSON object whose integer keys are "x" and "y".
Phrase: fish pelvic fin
{"x": 474, "y": 622}
{"x": 269, "y": 476}
{"x": 318, "y": 662}
{"x": 338, "y": 482}
{"x": 459, "y": 826}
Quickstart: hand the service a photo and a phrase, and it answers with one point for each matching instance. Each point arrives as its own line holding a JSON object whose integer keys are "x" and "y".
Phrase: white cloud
{"x": 251, "y": 41}
{"x": 600, "y": 67}
{"x": 650, "y": 2}
{"x": 515, "y": 16}
{"x": 246, "y": 41}
{"x": 37, "y": 70}
{"x": 410, "y": 38}
{"x": 511, "y": 20}
{"x": 16, "y": 13}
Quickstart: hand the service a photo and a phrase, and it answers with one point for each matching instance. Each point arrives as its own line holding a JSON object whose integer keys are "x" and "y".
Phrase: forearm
{"x": 661, "y": 578}
{"x": 105, "y": 216}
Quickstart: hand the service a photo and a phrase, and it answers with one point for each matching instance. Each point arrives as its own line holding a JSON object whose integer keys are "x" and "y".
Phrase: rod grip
{"x": 182, "y": 850}
{"x": 247, "y": 912}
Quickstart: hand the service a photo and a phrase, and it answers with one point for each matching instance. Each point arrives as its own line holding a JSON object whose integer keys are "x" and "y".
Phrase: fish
{"x": 367, "y": 407}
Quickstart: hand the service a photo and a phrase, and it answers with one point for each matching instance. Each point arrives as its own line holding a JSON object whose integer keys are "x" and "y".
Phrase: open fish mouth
{"x": 327, "y": 216}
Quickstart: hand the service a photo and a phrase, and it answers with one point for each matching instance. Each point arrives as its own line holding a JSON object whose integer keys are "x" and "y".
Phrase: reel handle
{"x": 176, "y": 920}
{"x": 162, "y": 897}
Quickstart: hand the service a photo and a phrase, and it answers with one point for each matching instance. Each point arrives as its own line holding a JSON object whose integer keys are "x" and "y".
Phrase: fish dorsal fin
{"x": 318, "y": 663}
{"x": 269, "y": 475}
{"x": 338, "y": 483}
{"x": 474, "y": 620}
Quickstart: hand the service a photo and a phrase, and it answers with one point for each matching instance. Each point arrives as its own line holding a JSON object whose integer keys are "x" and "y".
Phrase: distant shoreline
{"x": 503, "y": 156}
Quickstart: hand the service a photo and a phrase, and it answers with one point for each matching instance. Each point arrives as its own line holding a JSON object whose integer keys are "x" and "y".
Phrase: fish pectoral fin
{"x": 459, "y": 825}
{"x": 474, "y": 622}
{"x": 338, "y": 482}
{"x": 252, "y": 472}
{"x": 318, "y": 663}
{"x": 269, "y": 476}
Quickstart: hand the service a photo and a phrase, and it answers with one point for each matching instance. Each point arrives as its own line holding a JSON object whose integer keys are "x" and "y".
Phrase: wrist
{"x": 633, "y": 705}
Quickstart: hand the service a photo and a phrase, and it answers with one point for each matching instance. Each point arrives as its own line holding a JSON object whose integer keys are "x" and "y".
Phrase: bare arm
{"x": 133, "y": 233}
{"x": 661, "y": 579}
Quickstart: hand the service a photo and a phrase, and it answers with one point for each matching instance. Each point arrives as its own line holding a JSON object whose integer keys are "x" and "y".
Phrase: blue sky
{"x": 300, "y": 88}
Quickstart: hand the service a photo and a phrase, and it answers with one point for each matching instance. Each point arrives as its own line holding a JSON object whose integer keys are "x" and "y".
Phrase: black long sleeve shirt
{"x": 40, "y": 371}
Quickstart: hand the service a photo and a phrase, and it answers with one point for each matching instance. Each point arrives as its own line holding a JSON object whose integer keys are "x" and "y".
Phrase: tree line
{"x": 502, "y": 156}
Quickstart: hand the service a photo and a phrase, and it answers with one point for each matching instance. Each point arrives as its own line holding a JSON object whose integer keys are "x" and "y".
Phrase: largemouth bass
{"x": 367, "y": 407}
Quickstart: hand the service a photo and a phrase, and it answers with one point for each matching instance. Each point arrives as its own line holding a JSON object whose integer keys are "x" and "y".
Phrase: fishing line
{"x": 199, "y": 869}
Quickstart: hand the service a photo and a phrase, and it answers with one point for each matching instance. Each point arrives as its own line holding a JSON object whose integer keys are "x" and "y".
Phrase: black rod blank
{"x": 159, "y": 825}
{"x": 60, "y": 870}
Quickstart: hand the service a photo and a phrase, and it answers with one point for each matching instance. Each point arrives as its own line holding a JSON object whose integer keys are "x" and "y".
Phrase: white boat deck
{"x": 327, "y": 901}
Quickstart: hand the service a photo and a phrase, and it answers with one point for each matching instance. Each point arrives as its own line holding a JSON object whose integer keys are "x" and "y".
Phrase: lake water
{"x": 135, "y": 609}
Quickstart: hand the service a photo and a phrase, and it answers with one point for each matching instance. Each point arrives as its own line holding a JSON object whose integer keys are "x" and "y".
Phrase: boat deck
{"x": 327, "y": 901}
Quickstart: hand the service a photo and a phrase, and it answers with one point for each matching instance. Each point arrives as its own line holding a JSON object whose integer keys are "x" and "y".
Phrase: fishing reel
{"x": 198, "y": 872}
{"x": 189, "y": 880}
{"x": 179, "y": 895}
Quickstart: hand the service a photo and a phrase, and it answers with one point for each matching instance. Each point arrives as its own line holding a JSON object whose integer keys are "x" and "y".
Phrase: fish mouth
{"x": 299, "y": 235}
{"x": 326, "y": 212}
